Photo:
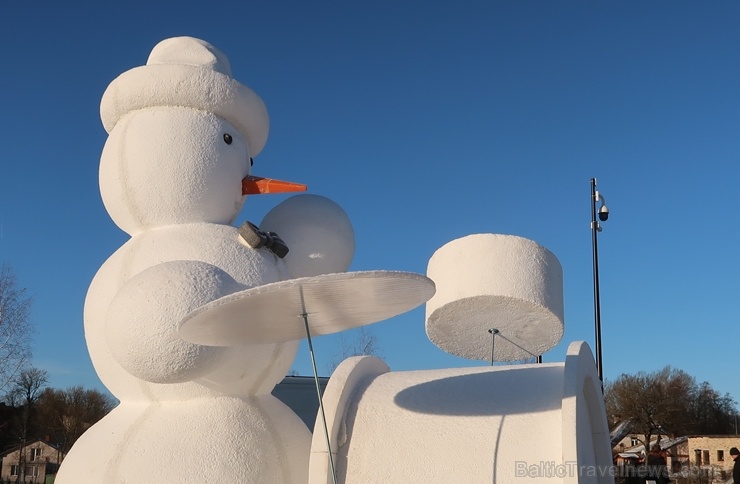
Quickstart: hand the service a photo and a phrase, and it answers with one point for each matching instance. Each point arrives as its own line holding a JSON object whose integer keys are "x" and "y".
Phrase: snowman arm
{"x": 143, "y": 318}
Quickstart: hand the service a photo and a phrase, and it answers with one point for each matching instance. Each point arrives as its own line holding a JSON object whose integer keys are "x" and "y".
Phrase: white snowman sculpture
{"x": 182, "y": 133}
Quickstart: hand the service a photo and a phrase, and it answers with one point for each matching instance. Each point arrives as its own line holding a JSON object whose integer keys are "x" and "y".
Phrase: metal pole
{"x": 304, "y": 315}
{"x": 321, "y": 402}
{"x": 22, "y": 461}
{"x": 597, "y": 306}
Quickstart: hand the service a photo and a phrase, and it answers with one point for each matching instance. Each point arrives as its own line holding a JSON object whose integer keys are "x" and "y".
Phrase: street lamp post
{"x": 603, "y": 214}
{"x": 22, "y": 460}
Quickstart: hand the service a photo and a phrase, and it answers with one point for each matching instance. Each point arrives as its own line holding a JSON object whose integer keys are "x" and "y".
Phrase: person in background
{"x": 736, "y": 467}
{"x": 657, "y": 465}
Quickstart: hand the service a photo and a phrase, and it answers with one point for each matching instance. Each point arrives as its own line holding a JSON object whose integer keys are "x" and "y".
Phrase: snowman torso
{"x": 241, "y": 370}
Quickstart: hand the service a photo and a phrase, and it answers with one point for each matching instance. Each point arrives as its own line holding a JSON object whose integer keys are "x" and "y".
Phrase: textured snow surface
{"x": 318, "y": 233}
{"x": 493, "y": 281}
{"x": 464, "y": 424}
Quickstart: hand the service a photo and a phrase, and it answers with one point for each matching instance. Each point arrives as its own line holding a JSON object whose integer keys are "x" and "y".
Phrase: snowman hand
{"x": 256, "y": 238}
{"x": 142, "y": 321}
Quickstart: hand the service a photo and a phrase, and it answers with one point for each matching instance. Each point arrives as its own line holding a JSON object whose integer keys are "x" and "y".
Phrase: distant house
{"x": 626, "y": 441}
{"x": 627, "y": 458}
{"x": 710, "y": 453}
{"x": 31, "y": 462}
{"x": 704, "y": 456}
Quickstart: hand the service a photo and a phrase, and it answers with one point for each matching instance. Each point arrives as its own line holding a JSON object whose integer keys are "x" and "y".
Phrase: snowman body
{"x": 171, "y": 176}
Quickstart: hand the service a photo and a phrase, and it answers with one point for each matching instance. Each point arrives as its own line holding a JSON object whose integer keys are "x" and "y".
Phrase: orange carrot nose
{"x": 255, "y": 185}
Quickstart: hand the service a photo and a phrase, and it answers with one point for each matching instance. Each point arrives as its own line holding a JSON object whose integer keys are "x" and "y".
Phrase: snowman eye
{"x": 227, "y": 138}
{"x": 251, "y": 162}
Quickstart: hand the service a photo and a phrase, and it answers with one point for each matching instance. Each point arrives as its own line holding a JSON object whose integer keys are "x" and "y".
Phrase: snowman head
{"x": 182, "y": 133}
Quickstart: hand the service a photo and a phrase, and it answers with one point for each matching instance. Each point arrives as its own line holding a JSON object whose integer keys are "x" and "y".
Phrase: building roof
{"x": 628, "y": 455}
{"x": 16, "y": 448}
{"x": 665, "y": 443}
{"x": 299, "y": 393}
{"x": 620, "y": 431}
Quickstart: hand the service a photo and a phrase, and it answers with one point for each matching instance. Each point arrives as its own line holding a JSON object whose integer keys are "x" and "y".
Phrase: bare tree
{"x": 15, "y": 327}
{"x": 25, "y": 393}
{"x": 66, "y": 414}
{"x": 667, "y": 402}
{"x": 656, "y": 403}
{"x": 29, "y": 383}
{"x": 712, "y": 413}
{"x": 364, "y": 342}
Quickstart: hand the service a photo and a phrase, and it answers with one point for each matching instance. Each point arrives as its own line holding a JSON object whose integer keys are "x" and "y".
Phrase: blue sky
{"x": 426, "y": 121}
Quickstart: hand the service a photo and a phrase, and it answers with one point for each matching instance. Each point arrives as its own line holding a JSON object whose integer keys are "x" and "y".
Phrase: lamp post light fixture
{"x": 603, "y": 214}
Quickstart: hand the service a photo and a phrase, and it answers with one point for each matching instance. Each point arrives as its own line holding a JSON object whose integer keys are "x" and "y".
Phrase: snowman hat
{"x": 188, "y": 72}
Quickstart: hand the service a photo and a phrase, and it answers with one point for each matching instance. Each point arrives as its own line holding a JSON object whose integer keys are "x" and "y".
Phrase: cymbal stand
{"x": 304, "y": 315}
{"x": 493, "y": 332}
